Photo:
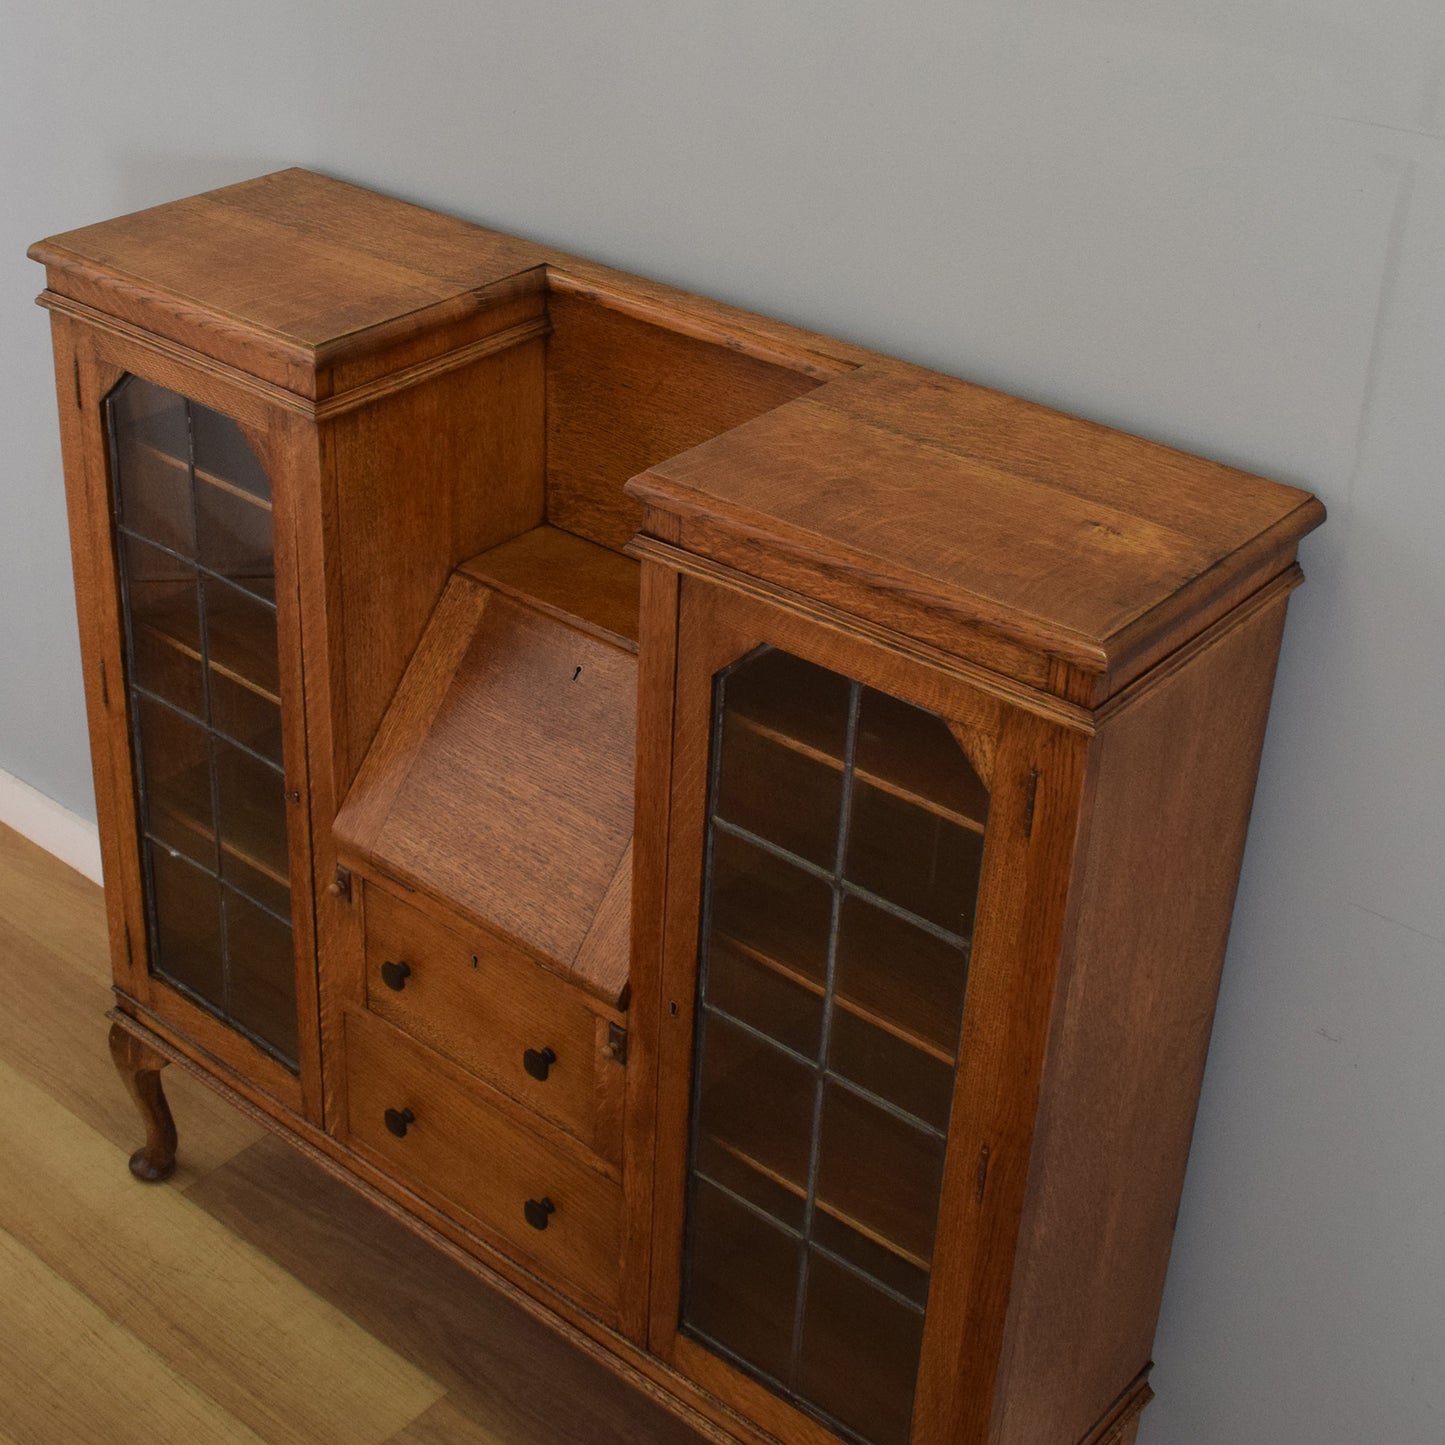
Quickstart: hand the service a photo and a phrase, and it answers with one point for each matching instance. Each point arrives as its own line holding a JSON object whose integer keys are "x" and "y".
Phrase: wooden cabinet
{"x": 732, "y": 834}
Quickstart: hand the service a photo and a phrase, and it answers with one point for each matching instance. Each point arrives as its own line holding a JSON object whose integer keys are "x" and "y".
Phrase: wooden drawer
{"x": 490, "y": 1008}
{"x": 476, "y": 1155}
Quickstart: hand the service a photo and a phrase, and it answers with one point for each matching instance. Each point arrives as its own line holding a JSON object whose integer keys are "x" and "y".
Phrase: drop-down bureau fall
{"x": 730, "y": 833}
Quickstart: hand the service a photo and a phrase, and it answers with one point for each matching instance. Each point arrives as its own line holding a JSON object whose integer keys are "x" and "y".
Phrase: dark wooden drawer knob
{"x": 398, "y": 1121}
{"x": 538, "y": 1212}
{"x": 538, "y": 1061}
{"x": 395, "y": 975}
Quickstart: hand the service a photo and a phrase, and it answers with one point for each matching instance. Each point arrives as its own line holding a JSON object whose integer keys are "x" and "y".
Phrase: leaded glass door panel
{"x": 830, "y": 810}
{"x": 195, "y": 543}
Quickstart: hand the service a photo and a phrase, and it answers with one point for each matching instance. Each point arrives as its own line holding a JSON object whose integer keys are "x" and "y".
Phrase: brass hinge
{"x": 1033, "y": 797}
{"x": 616, "y": 1046}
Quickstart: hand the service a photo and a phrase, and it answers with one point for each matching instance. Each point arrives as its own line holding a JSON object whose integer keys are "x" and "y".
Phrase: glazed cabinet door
{"x": 192, "y": 595}
{"x": 833, "y": 816}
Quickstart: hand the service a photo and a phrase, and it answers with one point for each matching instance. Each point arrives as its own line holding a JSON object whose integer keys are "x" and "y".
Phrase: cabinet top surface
{"x": 1061, "y": 552}
{"x": 300, "y": 256}
{"x": 924, "y": 496}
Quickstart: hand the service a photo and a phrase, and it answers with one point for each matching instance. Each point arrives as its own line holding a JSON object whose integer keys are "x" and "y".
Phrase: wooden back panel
{"x": 624, "y": 394}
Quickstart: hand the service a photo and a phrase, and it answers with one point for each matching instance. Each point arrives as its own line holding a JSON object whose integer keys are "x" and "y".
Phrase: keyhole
{"x": 578, "y": 673}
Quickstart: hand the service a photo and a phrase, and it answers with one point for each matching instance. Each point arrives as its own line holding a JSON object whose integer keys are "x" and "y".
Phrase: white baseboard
{"x": 50, "y": 825}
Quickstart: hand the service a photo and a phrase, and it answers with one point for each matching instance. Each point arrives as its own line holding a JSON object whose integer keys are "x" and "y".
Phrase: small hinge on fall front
{"x": 616, "y": 1048}
{"x": 1029, "y": 801}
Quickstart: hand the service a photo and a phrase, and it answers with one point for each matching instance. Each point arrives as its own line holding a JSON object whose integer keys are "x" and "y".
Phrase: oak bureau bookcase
{"x": 730, "y": 834}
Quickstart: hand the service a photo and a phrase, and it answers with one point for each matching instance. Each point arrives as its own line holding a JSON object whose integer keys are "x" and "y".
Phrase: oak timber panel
{"x": 425, "y": 478}
{"x": 480, "y": 1161}
{"x": 828, "y": 496}
{"x": 1172, "y": 780}
{"x": 502, "y": 782}
{"x": 567, "y": 576}
{"x": 623, "y": 394}
{"x": 288, "y": 273}
{"x": 483, "y": 1004}
{"x": 1063, "y": 454}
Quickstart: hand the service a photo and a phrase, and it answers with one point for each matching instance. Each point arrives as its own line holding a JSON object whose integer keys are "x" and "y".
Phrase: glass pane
{"x": 798, "y": 701}
{"x": 896, "y": 971}
{"x": 782, "y": 794}
{"x": 165, "y": 623}
{"x": 904, "y": 749}
{"x": 187, "y": 925}
{"x": 875, "y": 1260}
{"x": 263, "y": 974}
{"x": 235, "y": 536}
{"x": 859, "y": 1353}
{"x": 919, "y": 860}
{"x": 898, "y": 1072}
{"x": 756, "y": 1107}
{"x": 879, "y": 1174}
{"x": 175, "y": 763}
{"x": 768, "y": 1001}
{"x": 742, "y": 1284}
{"x": 766, "y": 907}
{"x": 224, "y": 454}
{"x": 198, "y": 579}
{"x": 252, "y": 798}
{"x": 152, "y": 465}
{"x": 246, "y": 716}
{"x": 241, "y": 638}
{"x": 845, "y": 847}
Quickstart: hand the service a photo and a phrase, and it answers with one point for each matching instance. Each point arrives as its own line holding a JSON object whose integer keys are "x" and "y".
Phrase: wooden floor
{"x": 252, "y": 1297}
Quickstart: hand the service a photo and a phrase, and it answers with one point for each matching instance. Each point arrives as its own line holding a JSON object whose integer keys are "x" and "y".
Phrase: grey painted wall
{"x": 1219, "y": 224}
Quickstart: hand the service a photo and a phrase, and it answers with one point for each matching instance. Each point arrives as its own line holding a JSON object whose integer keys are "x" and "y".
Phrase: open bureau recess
{"x": 730, "y": 834}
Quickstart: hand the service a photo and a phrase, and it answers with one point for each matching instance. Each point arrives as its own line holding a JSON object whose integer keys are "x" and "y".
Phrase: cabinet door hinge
{"x": 616, "y": 1047}
{"x": 78, "y": 401}
{"x": 129, "y": 957}
{"x": 104, "y": 686}
{"x": 1029, "y": 801}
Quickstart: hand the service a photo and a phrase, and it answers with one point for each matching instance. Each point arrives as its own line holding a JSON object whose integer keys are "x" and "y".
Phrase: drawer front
{"x": 470, "y": 1153}
{"x": 488, "y": 1007}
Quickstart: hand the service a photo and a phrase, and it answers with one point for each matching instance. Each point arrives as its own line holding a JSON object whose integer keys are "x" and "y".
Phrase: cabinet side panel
{"x": 81, "y": 382}
{"x": 1172, "y": 785}
{"x": 426, "y": 478}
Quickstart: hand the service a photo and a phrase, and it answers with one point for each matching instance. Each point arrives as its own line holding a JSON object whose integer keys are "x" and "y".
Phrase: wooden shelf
{"x": 567, "y": 577}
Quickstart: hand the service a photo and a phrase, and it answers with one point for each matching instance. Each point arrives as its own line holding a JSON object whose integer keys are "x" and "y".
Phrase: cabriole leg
{"x": 140, "y": 1068}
